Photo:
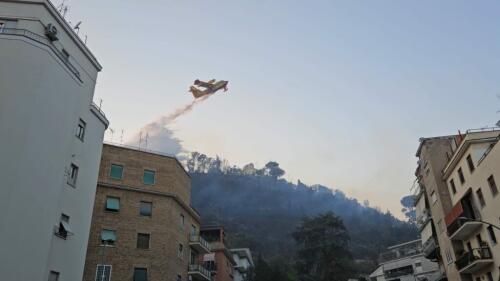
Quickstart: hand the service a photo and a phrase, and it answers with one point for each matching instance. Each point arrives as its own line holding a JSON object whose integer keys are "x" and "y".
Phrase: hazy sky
{"x": 338, "y": 92}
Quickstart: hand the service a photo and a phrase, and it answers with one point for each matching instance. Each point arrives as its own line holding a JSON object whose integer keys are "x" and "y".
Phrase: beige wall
{"x": 475, "y": 180}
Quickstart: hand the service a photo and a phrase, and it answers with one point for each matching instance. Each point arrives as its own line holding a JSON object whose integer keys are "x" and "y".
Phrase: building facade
{"x": 471, "y": 176}
{"x": 433, "y": 202}
{"x": 405, "y": 262}
{"x": 220, "y": 261}
{"x": 143, "y": 227}
{"x": 50, "y": 144}
{"x": 244, "y": 264}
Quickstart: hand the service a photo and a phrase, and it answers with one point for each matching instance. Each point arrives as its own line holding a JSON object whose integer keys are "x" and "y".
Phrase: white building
{"x": 405, "y": 262}
{"x": 244, "y": 263}
{"x": 50, "y": 143}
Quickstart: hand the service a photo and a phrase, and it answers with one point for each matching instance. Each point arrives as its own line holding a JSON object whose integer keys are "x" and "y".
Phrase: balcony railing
{"x": 197, "y": 240}
{"x": 461, "y": 228}
{"x": 200, "y": 272}
{"x": 45, "y": 41}
{"x": 475, "y": 260}
{"x": 406, "y": 270}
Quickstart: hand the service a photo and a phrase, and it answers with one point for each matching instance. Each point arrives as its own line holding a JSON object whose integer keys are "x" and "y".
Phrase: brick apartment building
{"x": 220, "y": 261}
{"x": 143, "y": 227}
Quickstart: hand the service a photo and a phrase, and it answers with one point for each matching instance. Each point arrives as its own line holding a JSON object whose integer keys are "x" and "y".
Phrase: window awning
{"x": 209, "y": 257}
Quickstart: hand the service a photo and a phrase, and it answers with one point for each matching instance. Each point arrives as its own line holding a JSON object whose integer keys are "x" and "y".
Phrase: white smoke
{"x": 158, "y": 136}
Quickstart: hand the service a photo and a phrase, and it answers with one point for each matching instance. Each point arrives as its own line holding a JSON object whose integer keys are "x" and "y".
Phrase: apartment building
{"x": 244, "y": 264}
{"x": 471, "y": 175}
{"x": 433, "y": 202}
{"x": 143, "y": 227}
{"x": 50, "y": 144}
{"x": 405, "y": 262}
{"x": 220, "y": 261}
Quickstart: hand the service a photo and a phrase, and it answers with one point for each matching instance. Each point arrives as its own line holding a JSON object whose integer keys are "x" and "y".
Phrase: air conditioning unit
{"x": 51, "y": 32}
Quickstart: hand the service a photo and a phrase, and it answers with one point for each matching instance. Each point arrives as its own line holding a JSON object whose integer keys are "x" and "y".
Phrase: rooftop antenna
{"x": 61, "y": 6}
{"x": 85, "y": 41}
{"x": 140, "y": 138}
{"x": 112, "y": 133}
{"x": 65, "y": 11}
{"x": 77, "y": 27}
{"x": 121, "y": 138}
{"x": 146, "y": 140}
{"x": 100, "y": 104}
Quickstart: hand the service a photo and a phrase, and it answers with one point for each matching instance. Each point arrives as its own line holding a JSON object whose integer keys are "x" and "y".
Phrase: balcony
{"x": 431, "y": 249}
{"x": 472, "y": 262}
{"x": 461, "y": 229}
{"x": 397, "y": 272}
{"x": 423, "y": 219}
{"x": 199, "y": 244}
{"x": 199, "y": 273}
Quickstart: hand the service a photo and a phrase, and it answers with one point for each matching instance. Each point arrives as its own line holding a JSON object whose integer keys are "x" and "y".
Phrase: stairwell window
{"x": 461, "y": 175}
{"x": 143, "y": 240}
{"x": 108, "y": 237}
{"x": 73, "y": 174}
{"x": 470, "y": 163}
{"x": 140, "y": 274}
{"x": 493, "y": 185}
{"x": 146, "y": 209}
{"x": 103, "y": 272}
{"x": 80, "y": 129}
{"x": 480, "y": 197}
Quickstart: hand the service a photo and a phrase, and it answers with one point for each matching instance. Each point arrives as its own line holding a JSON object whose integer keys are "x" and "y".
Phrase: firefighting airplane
{"x": 211, "y": 87}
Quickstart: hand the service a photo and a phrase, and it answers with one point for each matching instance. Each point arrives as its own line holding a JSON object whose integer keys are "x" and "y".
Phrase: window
{"x": 452, "y": 186}
{"x": 140, "y": 274}
{"x": 108, "y": 237}
{"x": 182, "y": 221}
{"x": 434, "y": 197}
{"x": 449, "y": 257}
{"x": 112, "y": 204}
{"x": 418, "y": 266}
{"x": 491, "y": 233}
{"x": 143, "y": 241}
{"x": 180, "y": 251}
{"x": 179, "y": 277}
{"x": 193, "y": 230}
{"x": 146, "y": 209}
{"x": 103, "y": 273}
{"x": 480, "y": 197}
{"x": 493, "y": 185}
{"x": 2, "y": 25}
{"x": 73, "y": 174}
{"x": 80, "y": 130}
{"x": 461, "y": 175}
{"x": 470, "y": 163}
{"x": 116, "y": 172}
{"x": 63, "y": 229}
{"x": 149, "y": 177}
{"x": 53, "y": 275}
{"x": 490, "y": 276}
{"x": 7, "y": 24}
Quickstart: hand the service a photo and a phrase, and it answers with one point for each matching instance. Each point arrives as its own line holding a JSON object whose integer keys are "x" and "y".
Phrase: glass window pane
{"x": 149, "y": 177}
{"x": 146, "y": 209}
{"x": 116, "y": 172}
{"x": 140, "y": 274}
{"x": 112, "y": 204}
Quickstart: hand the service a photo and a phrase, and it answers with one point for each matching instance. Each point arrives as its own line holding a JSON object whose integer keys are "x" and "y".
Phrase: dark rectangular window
{"x": 80, "y": 129}
{"x": 180, "y": 251}
{"x": 179, "y": 278}
{"x": 480, "y": 197}
{"x": 140, "y": 274}
{"x": 146, "y": 208}
{"x": 149, "y": 177}
{"x": 103, "y": 273}
{"x": 143, "y": 241}
{"x": 491, "y": 233}
{"x": 116, "y": 172}
{"x": 490, "y": 276}
{"x": 182, "y": 221}
{"x": 493, "y": 185}
{"x": 54, "y": 276}
{"x": 112, "y": 204}
{"x": 452, "y": 186}
{"x": 63, "y": 229}
{"x": 73, "y": 174}
{"x": 470, "y": 163}
{"x": 461, "y": 175}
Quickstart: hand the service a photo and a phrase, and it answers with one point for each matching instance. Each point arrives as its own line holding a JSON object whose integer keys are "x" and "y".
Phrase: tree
{"x": 322, "y": 249}
{"x": 409, "y": 208}
{"x": 273, "y": 169}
